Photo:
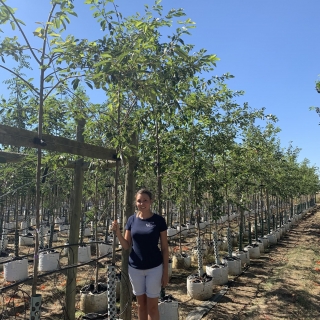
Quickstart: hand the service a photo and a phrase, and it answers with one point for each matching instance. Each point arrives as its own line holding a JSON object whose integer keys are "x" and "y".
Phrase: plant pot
{"x": 91, "y": 301}
{"x": 23, "y": 225}
{"x": 190, "y": 227}
{"x": 86, "y": 232}
{"x": 104, "y": 248}
{"x": 218, "y": 272}
{"x": 59, "y": 220}
{"x": 272, "y": 238}
{"x": 5, "y": 243}
{"x": 234, "y": 265}
{"x": 171, "y": 232}
{"x": 182, "y": 261}
{"x": 199, "y": 288}
{"x": 260, "y": 244}
{"x": 168, "y": 308}
{"x": 254, "y": 251}
{"x": 183, "y": 229}
{"x": 64, "y": 228}
{"x": 26, "y": 240}
{"x": 54, "y": 237}
{"x": 265, "y": 242}
{"x": 84, "y": 254}
{"x": 15, "y": 270}
{"x": 48, "y": 261}
{"x": 202, "y": 225}
{"x": 278, "y": 234}
{"x": 243, "y": 255}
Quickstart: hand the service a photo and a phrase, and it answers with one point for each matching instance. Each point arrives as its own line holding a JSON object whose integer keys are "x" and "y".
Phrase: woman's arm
{"x": 165, "y": 256}
{"x": 124, "y": 241}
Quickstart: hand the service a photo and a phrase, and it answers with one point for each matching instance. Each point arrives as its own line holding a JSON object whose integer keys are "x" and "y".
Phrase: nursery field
{"x": 284, "y": 283}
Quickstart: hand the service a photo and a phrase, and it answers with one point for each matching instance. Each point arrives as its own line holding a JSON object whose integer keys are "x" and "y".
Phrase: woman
{"x": 148, "y": 266}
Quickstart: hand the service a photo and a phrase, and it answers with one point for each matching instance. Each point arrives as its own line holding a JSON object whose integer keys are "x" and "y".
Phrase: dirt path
{"x": 283, "y": 284}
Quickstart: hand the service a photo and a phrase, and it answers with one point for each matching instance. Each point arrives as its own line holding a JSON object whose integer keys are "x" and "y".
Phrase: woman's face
{"x": 143, "y": 202}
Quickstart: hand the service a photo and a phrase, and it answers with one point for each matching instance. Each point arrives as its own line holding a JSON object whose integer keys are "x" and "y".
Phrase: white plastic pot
{"x": 260, "y": 244}
{"x": 26, "y": 240}
{"x": 171, "y": 232}
{"x": 86, "y": 232}
{"x": 254, "y": 251}
{"x": 54, "y": 237}
{"x": 272, "y": 238}
{"x": 168, "y": 310}
{"x": 16, "y": 270}
{"x": 278, "y": 234}
{"x": 5, "y": 243}
{"x": 202, "y": 225}
{"x": 234, "y": 265}
{"x": 183, "y": 229}
{"x": 23, "y": 225}
{"x": 218, "y": 272}
{"x": 84, "y": 254}
{"x": 64, "y": 228}
{"x": 199, "y": 288}
{"x": 190, "y": 227}
{"x": 265, "y": 242}
{"x": 94, "y": 301}
{"x": 243, "y": 255}
{"x": 104, "y": 248}
{"x": 48, "y": 261}
{"x": 59, "y": 220}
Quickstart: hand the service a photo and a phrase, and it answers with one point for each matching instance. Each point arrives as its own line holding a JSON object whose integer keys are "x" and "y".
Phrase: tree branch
{"x": 23, "y": 34}
{"x": 18, "y": 76}
{"x": 59, "y": 82}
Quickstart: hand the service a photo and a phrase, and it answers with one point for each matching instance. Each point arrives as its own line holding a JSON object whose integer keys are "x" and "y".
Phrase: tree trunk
{"x": 129, "y": 193}
{"x": 74, "y": 231}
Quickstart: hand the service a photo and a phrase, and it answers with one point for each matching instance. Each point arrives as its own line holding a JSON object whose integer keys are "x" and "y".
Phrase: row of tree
{"x": 176, "y": 129}
{"x": 191, "y": 137}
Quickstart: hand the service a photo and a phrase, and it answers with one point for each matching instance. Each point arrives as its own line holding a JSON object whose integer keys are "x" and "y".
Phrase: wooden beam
{"x": 88, "y": 165}
{"x": 24, "y": 138}
{"x": 6, "y": 157}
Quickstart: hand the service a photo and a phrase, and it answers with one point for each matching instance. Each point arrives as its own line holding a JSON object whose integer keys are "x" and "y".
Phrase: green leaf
{"x": 89, "y": 84}
{"x": 75, "y": 83}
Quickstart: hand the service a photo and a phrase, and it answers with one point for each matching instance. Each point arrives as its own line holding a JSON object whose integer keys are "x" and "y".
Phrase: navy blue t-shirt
{"x": 145, "y": 234}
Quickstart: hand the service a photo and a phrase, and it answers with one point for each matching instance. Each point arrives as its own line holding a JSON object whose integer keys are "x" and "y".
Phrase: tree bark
{"x": 74, "y": 231}
{"x": 129, "y": 193}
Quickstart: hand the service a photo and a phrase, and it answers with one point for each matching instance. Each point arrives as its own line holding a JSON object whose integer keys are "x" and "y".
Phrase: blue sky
{"x": 271, "y": 47}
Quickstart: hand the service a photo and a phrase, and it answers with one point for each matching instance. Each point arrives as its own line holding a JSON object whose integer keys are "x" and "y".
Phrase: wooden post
{"x": 74, "y": 230}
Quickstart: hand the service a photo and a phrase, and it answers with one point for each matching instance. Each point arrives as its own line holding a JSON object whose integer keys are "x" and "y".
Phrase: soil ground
{"x": 284, "y": 283}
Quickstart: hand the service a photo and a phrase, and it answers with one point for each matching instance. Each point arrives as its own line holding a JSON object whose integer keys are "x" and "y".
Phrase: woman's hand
{"x": 164, "y": 279}
{"x": 115, "y": 227}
